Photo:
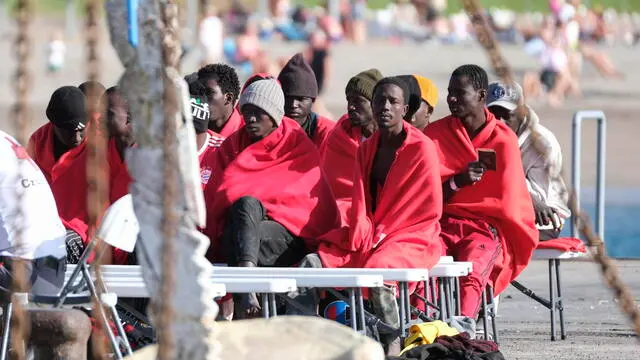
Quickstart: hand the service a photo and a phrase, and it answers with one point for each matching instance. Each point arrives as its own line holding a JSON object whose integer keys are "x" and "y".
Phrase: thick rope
{"x": 19, "y": 318}
{"x": 610, "y": 271}
{"x": 97, "y": 173}
{"x": 171, "y": 56}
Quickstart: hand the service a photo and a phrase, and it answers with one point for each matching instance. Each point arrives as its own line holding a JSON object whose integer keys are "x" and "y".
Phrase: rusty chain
{"x": 20, "y": 323}
{"x": 97, "y": 173}
{"x": 610, "y": 271}
{"x": 171, "y": 54}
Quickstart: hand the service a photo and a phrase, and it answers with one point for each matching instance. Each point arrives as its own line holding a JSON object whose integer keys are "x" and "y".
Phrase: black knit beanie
{"x": 298, "y": 79}
{"x": 415, "y": 96}
{"x": 363, "y": 83}
{"x": 67, "y": 108}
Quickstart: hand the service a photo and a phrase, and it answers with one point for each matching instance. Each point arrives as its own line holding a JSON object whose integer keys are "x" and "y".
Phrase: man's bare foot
{"x": 248, "y": 306}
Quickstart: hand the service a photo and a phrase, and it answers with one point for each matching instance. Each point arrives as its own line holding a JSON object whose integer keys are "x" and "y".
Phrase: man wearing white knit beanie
{"x": 262, "y": 107}
{"x": 271, "y": 202}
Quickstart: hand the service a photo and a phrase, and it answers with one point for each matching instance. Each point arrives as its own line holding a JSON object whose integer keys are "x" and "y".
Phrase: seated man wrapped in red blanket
{"x": 70, "y": 186}
{"x": 300, "y": 88}
{"x": 58, "y": 142}
{"x": 271, "y": 201}
{"x": 396, "y": 204}
{"x": 339, "y": 150}
{"x": 488, "y": 216}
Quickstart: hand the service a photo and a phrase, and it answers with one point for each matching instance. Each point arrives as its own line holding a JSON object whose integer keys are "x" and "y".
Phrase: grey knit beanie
{"x": 267, "y": 95}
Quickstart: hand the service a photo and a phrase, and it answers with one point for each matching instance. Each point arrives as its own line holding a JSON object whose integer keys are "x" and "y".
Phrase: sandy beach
{"x": 617, "y": 98}
{"x": 595, "y": 327}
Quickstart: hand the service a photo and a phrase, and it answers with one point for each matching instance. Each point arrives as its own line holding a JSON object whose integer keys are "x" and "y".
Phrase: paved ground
{"x": 596, "y": 328}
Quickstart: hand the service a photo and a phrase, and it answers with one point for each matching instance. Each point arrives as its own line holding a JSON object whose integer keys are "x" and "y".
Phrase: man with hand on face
{"x": 270, "y": 202}
{"x": 57, "y": 143}
{"x": 207, "y": 141}
{"x": 222, "y": 86}
{"x": 396, "y": 205}
{"x": 339, "y": 150}
{"x": 541, "y": 156}
{"x": 300, "y": 89}
{"x": 488, "y": 218}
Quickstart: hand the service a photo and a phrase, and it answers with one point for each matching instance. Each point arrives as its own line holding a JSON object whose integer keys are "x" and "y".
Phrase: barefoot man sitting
{"x": 396, "y": 205}
{"x": 271, "y": 201}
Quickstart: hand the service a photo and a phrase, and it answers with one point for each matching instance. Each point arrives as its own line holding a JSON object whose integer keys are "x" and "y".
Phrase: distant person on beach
{"x": 301, "y": 90}
{"x": 541, "y": 157}
{"x": 56, "y": 53}
{"x": 488, "y": 218}
{"x": 211, "y": 37}
{"x": 319, "y": 58}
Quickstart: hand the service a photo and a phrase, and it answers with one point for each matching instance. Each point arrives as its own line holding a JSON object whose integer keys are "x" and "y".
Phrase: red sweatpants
{"x": 472, "y": 241}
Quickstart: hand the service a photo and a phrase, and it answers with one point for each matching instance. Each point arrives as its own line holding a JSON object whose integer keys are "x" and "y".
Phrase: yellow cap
{"x": 428, "y": 90}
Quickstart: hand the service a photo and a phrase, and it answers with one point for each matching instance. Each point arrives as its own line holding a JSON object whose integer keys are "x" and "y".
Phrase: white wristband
{"x": 452, "y": 184}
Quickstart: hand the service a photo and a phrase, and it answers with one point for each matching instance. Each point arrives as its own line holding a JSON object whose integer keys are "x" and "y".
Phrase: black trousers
{"x": 249, "y": 235}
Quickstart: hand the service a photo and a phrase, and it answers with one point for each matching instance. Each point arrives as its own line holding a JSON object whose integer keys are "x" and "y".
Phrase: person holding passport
{"x": 541, "y": 157}
{"x": 488, "y": 217}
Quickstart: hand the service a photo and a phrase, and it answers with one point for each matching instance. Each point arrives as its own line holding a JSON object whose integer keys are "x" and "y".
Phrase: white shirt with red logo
{"x": 207, "y": 156}
{"x": 30, "y": 227}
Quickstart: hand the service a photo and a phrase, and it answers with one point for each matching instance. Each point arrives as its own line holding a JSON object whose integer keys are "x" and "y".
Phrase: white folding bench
{"x": 131, "y": 275}
{"x": 554, "y": 251}
{"x": 402, "y": 276}
{"x": 312, "y": 278}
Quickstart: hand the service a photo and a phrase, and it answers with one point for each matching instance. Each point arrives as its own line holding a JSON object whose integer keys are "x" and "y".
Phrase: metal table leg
{"x": 354, "y": 311}
{"x": 493, "y": 315}
{"x": 402, "y": 313}
{"x": 8, "y": 310}
{"x": 265, "y": 305}
{"x": 363, "y": 325}
{"x": 426, "y": 297}
{"x": 407, "y": 301}
{"x": 447, "y": 296}
{"x": 563, "y": 332}
{"x": 458, "y": 297}
{"x": 273, "y": 311}
{"x": 552, "y": 301}
{"x": 485, "y": 314}
{"x": 441, "y": 300}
